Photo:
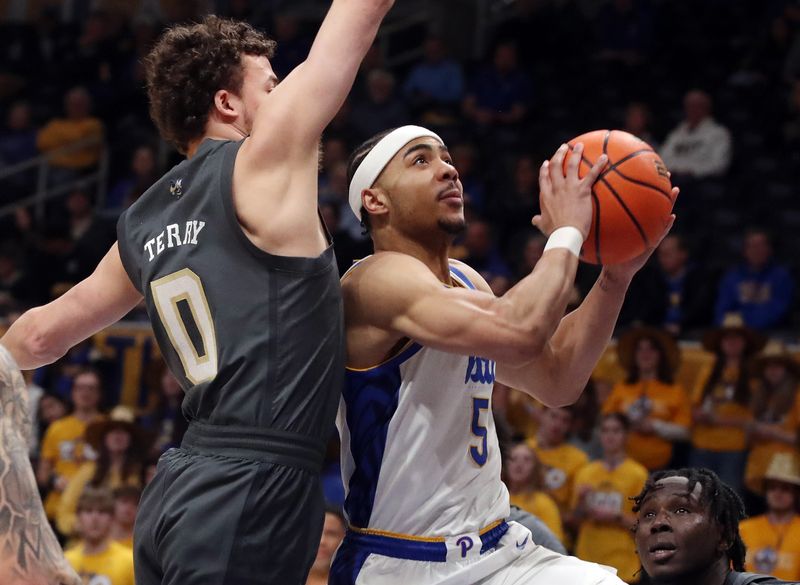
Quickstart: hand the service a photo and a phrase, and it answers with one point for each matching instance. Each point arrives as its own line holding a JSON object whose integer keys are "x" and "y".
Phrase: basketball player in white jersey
{"x": 426, "y": 340}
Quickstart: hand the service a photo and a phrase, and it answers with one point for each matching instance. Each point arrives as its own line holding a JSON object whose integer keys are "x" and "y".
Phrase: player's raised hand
{"x": 565, "y": 197}
{"x": 631, "y": 267}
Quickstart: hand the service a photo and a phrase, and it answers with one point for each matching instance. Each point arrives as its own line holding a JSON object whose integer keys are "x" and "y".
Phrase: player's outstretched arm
{"x": 29, "y": 551}
{"x": 294, "y": 114}
{"x": 44, "y": 334}
{"x": 397, "y": 294}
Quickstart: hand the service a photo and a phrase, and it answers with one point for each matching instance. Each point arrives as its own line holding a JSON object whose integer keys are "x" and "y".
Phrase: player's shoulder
{"x": 386, "y": 267}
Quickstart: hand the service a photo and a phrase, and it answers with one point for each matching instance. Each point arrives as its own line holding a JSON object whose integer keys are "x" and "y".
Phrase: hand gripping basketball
{"x": 565, "y": 197}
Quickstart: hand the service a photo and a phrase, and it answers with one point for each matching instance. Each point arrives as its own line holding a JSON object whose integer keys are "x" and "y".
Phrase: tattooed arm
{"x": 29, "y": 551}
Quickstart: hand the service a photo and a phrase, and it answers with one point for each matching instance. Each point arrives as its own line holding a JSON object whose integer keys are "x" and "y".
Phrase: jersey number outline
{"x": 479, "y": 455}
{"x": 185, "y": 286}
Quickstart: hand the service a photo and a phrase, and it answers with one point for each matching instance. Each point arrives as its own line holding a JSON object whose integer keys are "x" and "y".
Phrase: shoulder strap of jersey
{"x": 352, "y": 267}
{"x": 461, "y": 277}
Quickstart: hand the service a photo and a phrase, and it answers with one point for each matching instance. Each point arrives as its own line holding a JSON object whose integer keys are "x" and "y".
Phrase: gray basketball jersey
{"x": 256, "y": 340}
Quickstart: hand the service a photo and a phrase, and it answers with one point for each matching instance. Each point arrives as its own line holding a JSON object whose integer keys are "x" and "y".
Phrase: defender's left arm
{"x": 558, "y": 376}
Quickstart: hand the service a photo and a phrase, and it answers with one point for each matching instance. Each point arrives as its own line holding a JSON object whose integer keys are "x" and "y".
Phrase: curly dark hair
{"x": 189, "y": 64}
{"x": 724, "y": 505}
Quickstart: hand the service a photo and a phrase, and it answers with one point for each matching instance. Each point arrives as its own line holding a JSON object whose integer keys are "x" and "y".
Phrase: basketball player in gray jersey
{"x": 241, "y": 286}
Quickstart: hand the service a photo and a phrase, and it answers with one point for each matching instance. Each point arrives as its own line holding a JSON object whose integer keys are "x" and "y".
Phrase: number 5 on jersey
{"x": 183, "y": 309}
{"x": 479, "y": 454}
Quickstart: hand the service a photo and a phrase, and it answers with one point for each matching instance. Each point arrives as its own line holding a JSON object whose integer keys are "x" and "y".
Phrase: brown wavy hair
{"x": 189, "y": 64}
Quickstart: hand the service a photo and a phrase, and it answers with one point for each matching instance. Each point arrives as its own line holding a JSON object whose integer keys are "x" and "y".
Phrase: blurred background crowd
{"x": 704, "y": 371}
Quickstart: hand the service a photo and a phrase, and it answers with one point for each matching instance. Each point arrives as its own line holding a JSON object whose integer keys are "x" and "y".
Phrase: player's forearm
{"x": 538, "y": 302}
{"x": 29, "y": 342}
{"x": 33, "y": 553}
{"x": 583, "y": 335}
{"x": 308, "y": 99}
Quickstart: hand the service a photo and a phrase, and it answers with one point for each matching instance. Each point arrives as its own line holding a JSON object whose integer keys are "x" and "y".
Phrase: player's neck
{"x": 434, "y": 254}
{"x": 216, "y": 130}
{"x": 714, "y": 574}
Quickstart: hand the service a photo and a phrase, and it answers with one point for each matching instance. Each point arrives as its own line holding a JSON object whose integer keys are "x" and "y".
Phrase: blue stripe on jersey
{"x": 461, "y": 276}
{"x": 371, "y": 397}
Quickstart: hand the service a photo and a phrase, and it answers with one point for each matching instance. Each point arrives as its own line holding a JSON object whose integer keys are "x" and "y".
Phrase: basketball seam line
{"x": 628, "y": 212}
{"x": 642, "y": 183}
{"x": 596, "y": 201}
{"x": 626, "y": 158}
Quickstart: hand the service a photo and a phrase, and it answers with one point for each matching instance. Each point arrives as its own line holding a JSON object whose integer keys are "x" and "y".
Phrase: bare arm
{"x": 398, "y": 294}
{"x": 44, "y": 334}
{"x": 29, "y": 551}
{"x": 296, "y": 112}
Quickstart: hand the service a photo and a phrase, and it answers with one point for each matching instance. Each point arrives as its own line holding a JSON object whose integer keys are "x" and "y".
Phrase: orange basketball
{"x": 632, "y": 197}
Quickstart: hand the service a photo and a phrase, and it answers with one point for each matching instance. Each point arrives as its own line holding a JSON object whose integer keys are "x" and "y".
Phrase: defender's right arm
{"x": 44, "y": 334}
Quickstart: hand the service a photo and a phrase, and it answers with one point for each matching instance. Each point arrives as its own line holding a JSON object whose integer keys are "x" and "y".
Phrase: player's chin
{"x": 452, "y": 223}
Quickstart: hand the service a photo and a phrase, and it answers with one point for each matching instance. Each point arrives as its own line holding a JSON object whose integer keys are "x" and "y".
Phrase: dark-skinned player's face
{"x": 423, "y": 187}
{"x": 675, "y": 535}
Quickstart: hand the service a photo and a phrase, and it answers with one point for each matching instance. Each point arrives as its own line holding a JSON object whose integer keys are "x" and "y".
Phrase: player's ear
{"x": 225, "y": 103}
{"x": 374, "y": 201}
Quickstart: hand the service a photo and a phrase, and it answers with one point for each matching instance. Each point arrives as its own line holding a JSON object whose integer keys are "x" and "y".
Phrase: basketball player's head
{"x": 687, "y": 522}
{"x": 216, "y": 69}
{"x": 403, "y": 182}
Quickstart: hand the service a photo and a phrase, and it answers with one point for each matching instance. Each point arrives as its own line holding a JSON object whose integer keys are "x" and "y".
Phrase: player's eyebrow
{"x": 424, "y": 146}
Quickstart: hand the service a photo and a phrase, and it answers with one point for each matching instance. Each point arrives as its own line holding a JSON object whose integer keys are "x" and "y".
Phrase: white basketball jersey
{"x": 419, "y": 448}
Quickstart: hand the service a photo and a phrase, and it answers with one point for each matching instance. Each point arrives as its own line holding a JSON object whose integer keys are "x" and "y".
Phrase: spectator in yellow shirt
{"x": 775, "y": 406}
{"x": 603, "y": 505}
{"x": 121, "y": 447}
{"x": 657, "y": 407}
{"x": 721, "y": 402}
{"x": 78, "y": 128}
{"x": 773, "y": 539}
{"x": 63, "y": 446}
{"x": 97, "y": 558}
{"x": 560, "y": 459}
{"x": 522, "y": 474}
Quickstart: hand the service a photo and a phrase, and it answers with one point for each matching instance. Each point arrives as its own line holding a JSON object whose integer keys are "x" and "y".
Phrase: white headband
{"x": 377, "y": 159}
